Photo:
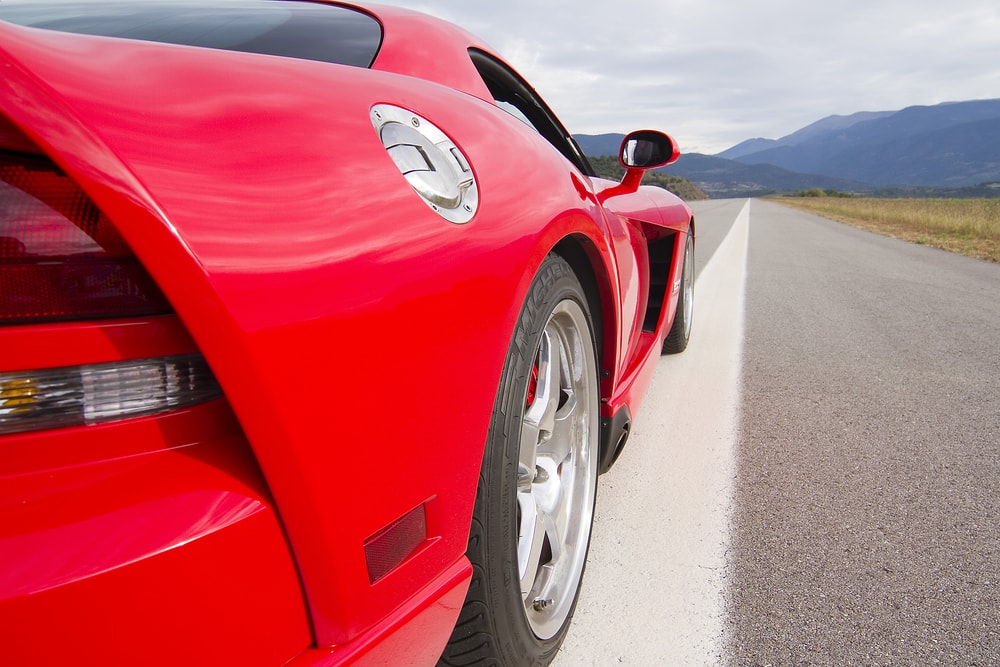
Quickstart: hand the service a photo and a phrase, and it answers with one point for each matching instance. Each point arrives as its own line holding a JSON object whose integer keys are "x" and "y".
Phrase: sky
{"x": 713, "y": 73}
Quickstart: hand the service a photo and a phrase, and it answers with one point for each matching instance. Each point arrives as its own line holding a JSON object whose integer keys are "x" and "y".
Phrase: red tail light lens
{"x": 60, "y": 257}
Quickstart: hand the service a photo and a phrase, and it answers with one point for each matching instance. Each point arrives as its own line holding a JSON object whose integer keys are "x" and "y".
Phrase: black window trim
{"x": 499, "y": 77}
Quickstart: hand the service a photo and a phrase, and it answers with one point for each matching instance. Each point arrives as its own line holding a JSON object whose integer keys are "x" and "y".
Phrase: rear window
{"x": 292, "y": 28}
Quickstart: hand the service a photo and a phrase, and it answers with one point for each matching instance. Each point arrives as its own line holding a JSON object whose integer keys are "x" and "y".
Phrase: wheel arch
{"x": 583, "y": 257}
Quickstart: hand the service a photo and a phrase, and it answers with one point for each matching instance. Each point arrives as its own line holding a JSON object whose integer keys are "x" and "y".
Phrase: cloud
{"x": 716, "y": 73}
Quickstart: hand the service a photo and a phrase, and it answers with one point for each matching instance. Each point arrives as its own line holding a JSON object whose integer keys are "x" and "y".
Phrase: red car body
{"x": 357, "y": 337}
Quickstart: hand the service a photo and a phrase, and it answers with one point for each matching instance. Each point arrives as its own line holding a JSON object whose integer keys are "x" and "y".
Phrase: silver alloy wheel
{"x": 557, "y": 470}
{"x": 688, "y": 285}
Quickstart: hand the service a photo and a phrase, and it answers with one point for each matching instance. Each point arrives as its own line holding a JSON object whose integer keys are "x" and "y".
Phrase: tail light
{"x": 96, "y": 393}
{"x": 60, "y": 257}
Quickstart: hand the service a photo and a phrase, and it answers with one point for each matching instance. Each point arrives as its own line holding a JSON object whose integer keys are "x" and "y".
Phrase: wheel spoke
{"x": 565, "y": 418}
{"x": 544, "y": 518}
{"x": 536, "y": 426}
{"x": 530, "y": 540}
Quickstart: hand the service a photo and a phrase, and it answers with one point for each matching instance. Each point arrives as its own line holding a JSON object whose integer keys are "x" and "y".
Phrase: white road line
{"x": 654, "y": 592}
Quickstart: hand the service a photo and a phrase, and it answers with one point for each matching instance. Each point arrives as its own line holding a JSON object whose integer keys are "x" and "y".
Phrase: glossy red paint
{"x": 116, "y": 540}
{"x": 357, "y": 336}
{"x": 440, "y": 55}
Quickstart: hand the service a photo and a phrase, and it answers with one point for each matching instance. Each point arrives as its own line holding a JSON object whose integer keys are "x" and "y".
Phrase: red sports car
{"x": 316, "y": 331}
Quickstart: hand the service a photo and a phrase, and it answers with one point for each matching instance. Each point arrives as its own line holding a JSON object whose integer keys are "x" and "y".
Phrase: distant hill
{"x": 596, "y": 145}
{"x": 961, "y": 155}
{"x": 721, "y": 178}
{"x": 953, "y": 146}
{"x": 718, "y": 177}
{"x": 819, "y": 128}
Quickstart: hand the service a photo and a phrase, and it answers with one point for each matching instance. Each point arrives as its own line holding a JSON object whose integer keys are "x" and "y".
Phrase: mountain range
{"x": 946, "y": 147}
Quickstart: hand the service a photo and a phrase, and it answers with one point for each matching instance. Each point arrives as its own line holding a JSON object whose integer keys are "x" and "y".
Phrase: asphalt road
{"x": 815, "y": 480}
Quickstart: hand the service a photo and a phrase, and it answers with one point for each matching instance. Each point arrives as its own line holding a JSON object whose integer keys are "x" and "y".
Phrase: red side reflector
{"x": 60, "y": 257}
{"x": 388, "y": 548}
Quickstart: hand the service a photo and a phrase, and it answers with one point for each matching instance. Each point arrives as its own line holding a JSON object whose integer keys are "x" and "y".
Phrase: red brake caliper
{"x": 532, "y": 385}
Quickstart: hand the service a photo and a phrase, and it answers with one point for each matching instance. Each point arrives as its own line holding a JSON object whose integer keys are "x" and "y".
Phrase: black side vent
{"x": 661, "y": 252}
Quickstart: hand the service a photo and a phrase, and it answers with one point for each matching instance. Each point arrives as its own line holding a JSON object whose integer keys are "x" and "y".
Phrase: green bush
{"x": 817, "y": 192}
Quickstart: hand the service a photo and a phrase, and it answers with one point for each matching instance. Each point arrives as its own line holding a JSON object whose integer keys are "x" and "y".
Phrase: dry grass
{"x": 967, "y": 226}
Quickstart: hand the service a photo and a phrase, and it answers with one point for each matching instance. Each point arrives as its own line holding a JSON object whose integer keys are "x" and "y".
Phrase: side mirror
{"x": 642, "y": 150}
{"x": 648, "y": 149}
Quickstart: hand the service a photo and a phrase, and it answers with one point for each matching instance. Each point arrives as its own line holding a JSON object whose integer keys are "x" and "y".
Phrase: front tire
{"x": 680, "y": 333}
{"x": 535, "y": 502}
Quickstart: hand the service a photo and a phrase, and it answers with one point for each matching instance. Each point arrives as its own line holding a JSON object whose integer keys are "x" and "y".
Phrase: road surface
{"x": 816, "y": 479}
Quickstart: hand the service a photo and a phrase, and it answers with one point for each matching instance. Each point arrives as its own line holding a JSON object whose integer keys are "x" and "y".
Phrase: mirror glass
{"x": 647, "y": 149}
